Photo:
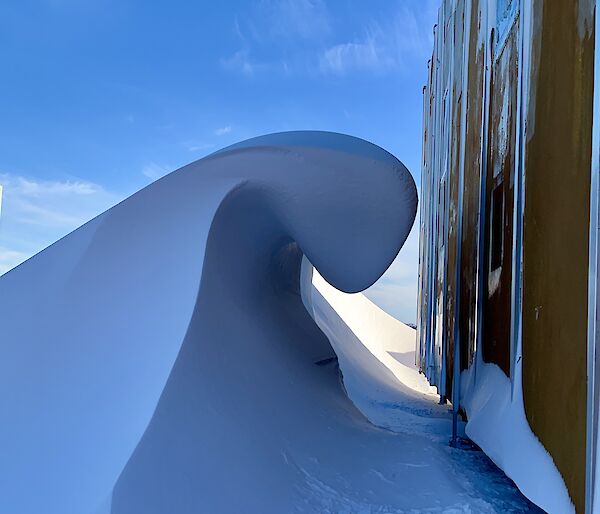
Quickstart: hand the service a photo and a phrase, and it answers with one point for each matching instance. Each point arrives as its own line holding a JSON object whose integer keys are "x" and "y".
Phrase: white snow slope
{"x": 159, "y": 359}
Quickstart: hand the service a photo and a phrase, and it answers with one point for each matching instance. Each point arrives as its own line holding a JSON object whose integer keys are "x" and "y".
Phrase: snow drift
{"x": 176, "y": 354}
{"x": 160, "y": 359}
{"x": 498, "y": 424}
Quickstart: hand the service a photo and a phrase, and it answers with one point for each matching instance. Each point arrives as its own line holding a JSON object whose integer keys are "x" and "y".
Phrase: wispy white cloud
{"x": 35, "y": 213}
{"x": 276, "y": 24}
{"x": 36, "y": 189}
{"x": 412, "y": 32}
{"x": 289, "y": 36}
{"x": 199, "y": 146}
{"x": 154, "y": 171}
{"x": 66, "y": 203}
{"x": 223, "y": 130}
{"x": 293, "y": 19}
{"x": 10, "y": 258}
{"x": 384, "y": 46}
{"x": 240, "y": 62}
{"x": 368, "y": 54}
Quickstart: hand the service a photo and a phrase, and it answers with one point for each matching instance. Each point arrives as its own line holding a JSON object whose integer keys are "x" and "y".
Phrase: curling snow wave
{"x": 160, "y": 358}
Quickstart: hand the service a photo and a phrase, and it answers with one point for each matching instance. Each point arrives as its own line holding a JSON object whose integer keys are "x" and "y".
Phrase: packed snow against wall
{"x": 498, "y": 424}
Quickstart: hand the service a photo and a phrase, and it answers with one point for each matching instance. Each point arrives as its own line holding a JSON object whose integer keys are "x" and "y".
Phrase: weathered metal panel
{"x": 429, "y": 210}
{"x": 424, "y": 228}
{"x": 472, "y": 165}
{"x": 442, "y": 116}
{"x": 555, "y": 234}
{"x": 500, "y": 193}
{"x": 456, "y": 47}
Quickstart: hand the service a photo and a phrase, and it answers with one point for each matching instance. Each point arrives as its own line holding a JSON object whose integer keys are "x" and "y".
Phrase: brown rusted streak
{"x": 555, "y": 236}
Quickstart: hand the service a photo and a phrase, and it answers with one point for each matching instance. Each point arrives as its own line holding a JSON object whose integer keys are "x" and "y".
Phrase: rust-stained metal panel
{"x": 499, "y": 201}
{"x": 472, "y": 164}
{"x": 455, "y": 44}
{"x": 555, "y": 234}
{"x": 432, "y": 247}
{"x": 440, "y": 182}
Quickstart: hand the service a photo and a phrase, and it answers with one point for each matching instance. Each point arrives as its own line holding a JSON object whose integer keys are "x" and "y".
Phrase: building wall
{"x": 549, "y": 139}
{"x": 555, "y": 234}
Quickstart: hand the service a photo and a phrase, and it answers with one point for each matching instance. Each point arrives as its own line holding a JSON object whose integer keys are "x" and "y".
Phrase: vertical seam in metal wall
{"x": 418, "y": 354}
{"x": 461, "y": 179}
{"x": 591, "y": 441}
{"x": 436, "y": 196}
{"x": 515, "y": 301}
{"x": 446, "y": 172}
{"x": 430, "y": 199}
{"x": 433, "y": 211}
{"x": 479, "y": 320}
{"x": 526, "y": 22}
{"x": 430, "y": 151}
{"x": 427, "y": 322}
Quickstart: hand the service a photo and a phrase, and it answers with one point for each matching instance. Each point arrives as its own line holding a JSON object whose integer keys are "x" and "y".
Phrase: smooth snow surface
{"x": 380, "y": 362}
{"x": 160, "y": 359}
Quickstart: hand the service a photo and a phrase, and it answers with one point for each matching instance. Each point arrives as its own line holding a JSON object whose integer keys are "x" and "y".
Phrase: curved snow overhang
{"x": 93, "y": 326}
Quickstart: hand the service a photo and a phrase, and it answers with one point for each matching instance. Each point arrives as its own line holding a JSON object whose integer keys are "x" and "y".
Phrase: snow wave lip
{"x": 122, "y": 387}
{"x": 312, "y": 179}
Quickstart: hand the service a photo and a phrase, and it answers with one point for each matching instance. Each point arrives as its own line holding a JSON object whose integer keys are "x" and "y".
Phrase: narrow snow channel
{"x": 376, "y": 355}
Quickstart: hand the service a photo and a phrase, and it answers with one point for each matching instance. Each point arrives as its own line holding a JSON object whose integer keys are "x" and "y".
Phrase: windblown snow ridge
{"x": 160, "y": 359}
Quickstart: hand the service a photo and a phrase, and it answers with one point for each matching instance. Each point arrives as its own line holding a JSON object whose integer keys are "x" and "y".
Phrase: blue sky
{"x": 100, "y": 97}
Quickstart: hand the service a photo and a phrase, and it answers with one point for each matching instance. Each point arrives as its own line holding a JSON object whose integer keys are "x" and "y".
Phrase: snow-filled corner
{"x": 498, "y": 424}
{"x": 202, "y": 347}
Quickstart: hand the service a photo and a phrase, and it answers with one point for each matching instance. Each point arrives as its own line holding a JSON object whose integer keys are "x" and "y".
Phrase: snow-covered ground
{"x": 162, "y": 359}
{"x": 376, "y": 355}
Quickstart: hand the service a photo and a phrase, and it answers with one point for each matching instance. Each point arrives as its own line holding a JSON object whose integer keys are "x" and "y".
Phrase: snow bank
{"x": 498, "y": 424}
